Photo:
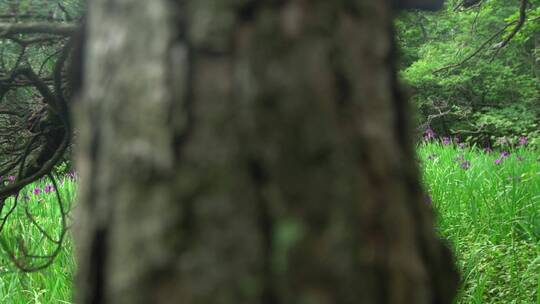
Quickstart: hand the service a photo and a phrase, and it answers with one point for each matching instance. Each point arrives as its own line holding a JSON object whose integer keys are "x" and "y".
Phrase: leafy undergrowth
{"x": 488, "y": 206}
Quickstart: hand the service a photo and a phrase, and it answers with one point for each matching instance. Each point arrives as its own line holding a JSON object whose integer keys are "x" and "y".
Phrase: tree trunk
{"x": 237, "y": 151}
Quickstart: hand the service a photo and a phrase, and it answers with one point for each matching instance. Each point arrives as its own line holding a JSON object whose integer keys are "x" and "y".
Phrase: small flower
{"x": 48, "y": 188}
{"x": 505, "y": 154}
{"x": 36, "y": 191}
{"x": 72, "y": 175}
{"x": 522, "y": 140}
{"x": 465, "y": 165}
{"x": 488, "y": 150}
{"x": 457, "y": 139}
{"x": 446, "y": 141}
{"x": 11, "y": 178}
{"x": 462, "y": 146}
{"x": 429, "y": 134}
{"x": 498, "y": 161}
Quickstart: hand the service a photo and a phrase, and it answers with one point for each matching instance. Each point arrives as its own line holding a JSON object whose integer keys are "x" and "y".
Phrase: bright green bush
{"x": 489, "y": 98}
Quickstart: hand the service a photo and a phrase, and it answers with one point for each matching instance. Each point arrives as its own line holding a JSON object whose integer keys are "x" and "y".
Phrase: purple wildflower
{"x": 446, "y": 141}
{"x": 429, "y": 134}
{"x": 498, "y": 161}
{"x": 36, "y": 191}
{"x": 505, "y": 154}
{"x": 457, "y": 139}
{"x": 522, "y": 140}
{"x": 49, "y": 188}
{"x": 11, "y": 178}
{"x": 465, "y": 165}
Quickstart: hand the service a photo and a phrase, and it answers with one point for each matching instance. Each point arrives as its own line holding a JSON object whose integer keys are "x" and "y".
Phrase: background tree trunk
{"x": 236, "y": 151}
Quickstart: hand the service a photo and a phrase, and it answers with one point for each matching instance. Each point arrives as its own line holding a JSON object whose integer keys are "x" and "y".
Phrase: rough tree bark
{"x": 236, "y": 151}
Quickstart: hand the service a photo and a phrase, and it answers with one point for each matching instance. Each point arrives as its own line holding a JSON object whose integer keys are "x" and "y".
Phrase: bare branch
{"x": 476, "y": 52}
{"x": 519, "y": 25}
{"x": 60, "y": 29}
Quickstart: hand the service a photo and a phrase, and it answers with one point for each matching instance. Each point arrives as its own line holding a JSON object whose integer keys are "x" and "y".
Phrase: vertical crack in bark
{"x": 266, "y": 225}
{"x": 92, "y": 273}
{"x": 181, "y": 119}
{"x": 182, "y": 135}
{"x": 343, "y": 86}
{"x": 181, "y": 79}
{"x": 97, "y": 276}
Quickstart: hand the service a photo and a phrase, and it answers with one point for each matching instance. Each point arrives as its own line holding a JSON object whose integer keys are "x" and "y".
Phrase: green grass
{"x": 489, "y": 212}
{"x": 54, "y": 283}
{"x": 491, "y": 215}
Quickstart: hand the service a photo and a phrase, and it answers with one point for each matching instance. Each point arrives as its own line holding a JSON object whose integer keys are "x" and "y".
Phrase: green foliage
{"x": 491, "y": 95}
